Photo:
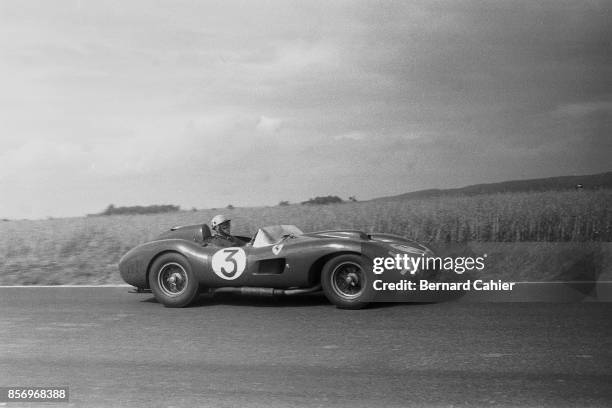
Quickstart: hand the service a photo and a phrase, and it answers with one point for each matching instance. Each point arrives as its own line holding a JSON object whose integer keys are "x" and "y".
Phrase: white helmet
{"x": 218, "y": 220}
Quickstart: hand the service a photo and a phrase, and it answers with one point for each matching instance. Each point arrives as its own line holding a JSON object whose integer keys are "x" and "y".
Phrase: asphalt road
{"x": 118, "y": 349}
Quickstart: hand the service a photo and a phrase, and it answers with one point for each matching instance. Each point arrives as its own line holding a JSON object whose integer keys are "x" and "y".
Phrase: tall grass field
{"x": 547, "y": 225}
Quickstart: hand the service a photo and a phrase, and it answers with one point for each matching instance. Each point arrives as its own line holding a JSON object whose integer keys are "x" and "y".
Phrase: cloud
{"x": 583, "y": 109}
{"x": 268, "y": 125}
{"x": 351, "y": 136}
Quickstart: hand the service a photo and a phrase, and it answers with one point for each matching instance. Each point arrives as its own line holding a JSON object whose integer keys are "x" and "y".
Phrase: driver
{"x": 221, "y": 226}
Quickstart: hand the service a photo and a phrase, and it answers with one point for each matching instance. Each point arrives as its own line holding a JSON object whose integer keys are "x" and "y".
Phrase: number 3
{"x": 229, "y": 263}
{"x": 230, "y": 258}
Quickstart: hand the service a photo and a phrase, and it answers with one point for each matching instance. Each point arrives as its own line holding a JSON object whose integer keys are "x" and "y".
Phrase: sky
{"x": 208, "y": 103}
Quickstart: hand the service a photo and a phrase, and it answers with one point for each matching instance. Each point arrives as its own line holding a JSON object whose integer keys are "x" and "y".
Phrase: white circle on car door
{"x": 229, "y": 263}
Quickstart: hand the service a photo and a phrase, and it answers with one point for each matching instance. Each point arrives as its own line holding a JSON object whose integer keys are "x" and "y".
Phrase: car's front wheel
{"x": 344, "y": 281}
{"x": 172, "y": 281}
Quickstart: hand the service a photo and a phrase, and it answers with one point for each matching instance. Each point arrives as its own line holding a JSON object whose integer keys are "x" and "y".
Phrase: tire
{"x": 172, "y": 281}
{"x": 344, "y": 281}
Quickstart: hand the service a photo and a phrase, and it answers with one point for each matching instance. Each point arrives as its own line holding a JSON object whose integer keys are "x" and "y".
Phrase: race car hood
{"x": 360, "y": 235}
{"x": 396, "y": 239}
{"x": 346, "y": 234}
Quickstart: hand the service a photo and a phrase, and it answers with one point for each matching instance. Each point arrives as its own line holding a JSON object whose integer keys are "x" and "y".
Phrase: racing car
{"x": 278, "y": 260}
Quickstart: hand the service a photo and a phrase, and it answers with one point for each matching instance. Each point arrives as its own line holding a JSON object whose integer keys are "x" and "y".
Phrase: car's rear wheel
{"x": 172, "y": 281}
{"x": 344, "y": 281}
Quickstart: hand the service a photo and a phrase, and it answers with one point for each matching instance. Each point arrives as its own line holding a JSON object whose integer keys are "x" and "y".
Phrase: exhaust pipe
{"x": 247, "y": 290}
{"x": 291, "y": 292}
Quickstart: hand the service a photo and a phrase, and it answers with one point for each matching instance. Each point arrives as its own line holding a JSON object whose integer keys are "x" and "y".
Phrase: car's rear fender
{"x": 136, "y": 264}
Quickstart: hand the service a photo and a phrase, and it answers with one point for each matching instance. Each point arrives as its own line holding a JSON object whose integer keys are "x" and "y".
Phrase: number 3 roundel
{"x": 229, "y": 263}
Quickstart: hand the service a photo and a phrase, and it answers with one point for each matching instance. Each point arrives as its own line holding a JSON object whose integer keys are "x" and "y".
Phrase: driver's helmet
{"x": 218, "y": 220}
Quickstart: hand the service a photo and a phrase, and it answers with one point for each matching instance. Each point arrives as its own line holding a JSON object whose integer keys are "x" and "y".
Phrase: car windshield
{"x": 271, "y": 235}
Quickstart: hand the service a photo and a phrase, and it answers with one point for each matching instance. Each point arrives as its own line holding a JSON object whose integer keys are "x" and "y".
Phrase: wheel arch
{"x": 314, "y": 273}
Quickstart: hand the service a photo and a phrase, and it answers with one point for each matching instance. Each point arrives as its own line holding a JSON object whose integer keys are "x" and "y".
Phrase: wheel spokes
{"x": 172, "y": 279}
{"x": 347, "y": 280}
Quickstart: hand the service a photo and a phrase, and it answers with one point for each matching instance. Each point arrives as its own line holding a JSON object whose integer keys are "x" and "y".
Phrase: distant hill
{"x": 137, "y": 209}
{"x": 587, "y": 182}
